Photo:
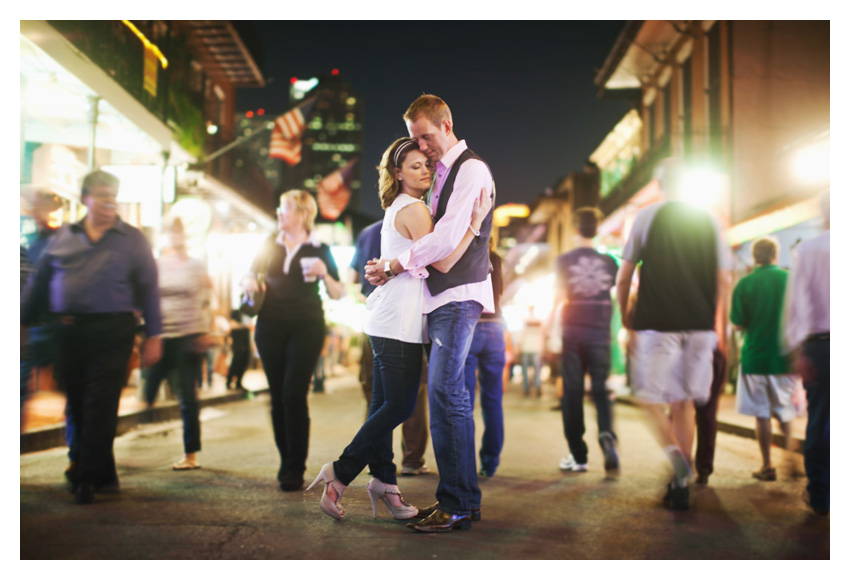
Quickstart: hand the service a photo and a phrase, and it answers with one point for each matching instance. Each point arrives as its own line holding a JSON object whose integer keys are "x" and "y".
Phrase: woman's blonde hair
{"x": 305, "y": 203}
{"x": 391, "y": 161}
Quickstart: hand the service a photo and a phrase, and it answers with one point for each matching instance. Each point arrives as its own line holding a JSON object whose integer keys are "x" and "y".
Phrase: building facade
{"x": 747, "y": 102}
{"x": 149, "y": 101}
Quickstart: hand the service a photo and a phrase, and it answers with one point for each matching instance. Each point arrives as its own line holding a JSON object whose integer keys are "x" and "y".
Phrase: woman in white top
{"x": 397, "y": 331}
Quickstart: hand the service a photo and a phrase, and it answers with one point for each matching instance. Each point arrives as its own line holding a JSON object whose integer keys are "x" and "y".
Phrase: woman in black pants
{"x": 290, "y": 327}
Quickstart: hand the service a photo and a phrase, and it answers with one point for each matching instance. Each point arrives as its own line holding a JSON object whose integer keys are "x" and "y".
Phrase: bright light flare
{"x": 538, "y": 294}
{"x": 703, "y": 186}
{"x": 811, "y": 164}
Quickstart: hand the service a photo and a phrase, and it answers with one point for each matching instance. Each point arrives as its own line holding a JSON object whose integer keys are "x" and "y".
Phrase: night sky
{"x": 521, "y": 93}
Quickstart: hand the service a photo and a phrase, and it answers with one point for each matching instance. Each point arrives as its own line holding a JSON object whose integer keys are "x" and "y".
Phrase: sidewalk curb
{"x": 54, "y": 435}
{"x": 726, "y": 427}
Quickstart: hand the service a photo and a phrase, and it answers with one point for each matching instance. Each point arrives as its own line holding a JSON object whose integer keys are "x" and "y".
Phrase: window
{"x": 686, "y": 110}
{"x": 714, "y": 97}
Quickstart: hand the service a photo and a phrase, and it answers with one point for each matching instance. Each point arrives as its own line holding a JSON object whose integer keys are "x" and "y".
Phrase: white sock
{"x": 681, "y": 469}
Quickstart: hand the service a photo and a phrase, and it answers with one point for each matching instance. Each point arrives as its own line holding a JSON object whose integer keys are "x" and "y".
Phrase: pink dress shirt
{"x": 449, "y": 231}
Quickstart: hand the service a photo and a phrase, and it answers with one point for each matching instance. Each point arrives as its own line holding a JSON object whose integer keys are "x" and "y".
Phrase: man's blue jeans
{"x": 816, "y": 447}
{"x": 579, "y": 358}
{"x": 487, "y": 356}
{"x": 397, "y": 369}
{"x": 451, "y": 328}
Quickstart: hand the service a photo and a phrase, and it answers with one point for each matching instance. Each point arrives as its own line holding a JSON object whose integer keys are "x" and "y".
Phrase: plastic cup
{"x": 306, "y": 264}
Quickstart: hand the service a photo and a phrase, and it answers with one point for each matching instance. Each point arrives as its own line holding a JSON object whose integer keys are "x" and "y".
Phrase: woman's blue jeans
{"x": 487, "y": 357}
{"x": 179, "y": 363}
{"x": 451, "y": 328}
{"x": 397, "y": 367}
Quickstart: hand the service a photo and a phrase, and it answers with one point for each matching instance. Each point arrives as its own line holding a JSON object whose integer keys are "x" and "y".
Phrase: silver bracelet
{"x": 474, "y": 233}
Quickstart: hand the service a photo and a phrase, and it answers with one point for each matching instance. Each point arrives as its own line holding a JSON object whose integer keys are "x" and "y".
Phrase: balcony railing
{"x": 112, "y": 46}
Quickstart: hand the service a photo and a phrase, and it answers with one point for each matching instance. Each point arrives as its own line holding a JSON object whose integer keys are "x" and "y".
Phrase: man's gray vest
{"x": 474, "y": 265}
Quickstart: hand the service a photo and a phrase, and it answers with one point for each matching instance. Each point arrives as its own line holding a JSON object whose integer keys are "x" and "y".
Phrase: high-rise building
{"x": 334, "y": 135}
{"x": 251, "y": 161}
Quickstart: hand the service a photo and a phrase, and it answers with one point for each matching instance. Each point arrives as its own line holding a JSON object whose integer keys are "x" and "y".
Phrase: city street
{"x": 233, "y": 509}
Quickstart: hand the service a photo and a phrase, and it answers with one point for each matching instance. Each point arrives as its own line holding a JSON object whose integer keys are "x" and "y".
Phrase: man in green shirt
{"x": 765, "y": 386}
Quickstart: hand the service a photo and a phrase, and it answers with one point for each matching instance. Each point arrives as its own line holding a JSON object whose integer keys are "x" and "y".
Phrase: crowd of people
{"x": 434, "y": 332}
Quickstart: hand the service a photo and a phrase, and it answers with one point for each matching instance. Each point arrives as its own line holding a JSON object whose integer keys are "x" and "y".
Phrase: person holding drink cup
{"x": 290, "y": 328}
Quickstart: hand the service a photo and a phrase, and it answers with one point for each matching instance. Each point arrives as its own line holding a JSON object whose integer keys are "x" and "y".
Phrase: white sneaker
{"x": 569, "y": 464}
{"x": 415, "y": 470}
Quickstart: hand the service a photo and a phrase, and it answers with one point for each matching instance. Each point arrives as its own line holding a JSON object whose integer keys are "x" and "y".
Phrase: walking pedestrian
{"x": 585, "y": 278}
{"x": 765, "y": 384}
{"x": 486, "y": 362}
{"x": 240, "y": 347}
{"x": 453, "y": 302}
{"x": 531, "y": 339}
{"x": 290, "y": 329}
{"x": 91, "y": 278}
{"x": 705, "y": 417}
{"x": 396, "y": 328}
{"x": 684, "y": 272}
{"x": 807, "y": 332}
{"x": 182, "y": 282}
{"x": 41, "y": 352}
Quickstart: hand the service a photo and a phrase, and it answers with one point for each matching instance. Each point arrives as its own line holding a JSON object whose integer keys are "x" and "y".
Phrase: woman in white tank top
{"x": 397, "y": 330}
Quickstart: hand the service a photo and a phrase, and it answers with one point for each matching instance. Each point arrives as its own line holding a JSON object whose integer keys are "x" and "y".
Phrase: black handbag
{"x": 251, "y": 304}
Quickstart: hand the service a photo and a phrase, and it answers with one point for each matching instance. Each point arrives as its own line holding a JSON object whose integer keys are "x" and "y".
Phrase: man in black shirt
{"x": 684, "y": 271}
{"x": 585, "y": 278}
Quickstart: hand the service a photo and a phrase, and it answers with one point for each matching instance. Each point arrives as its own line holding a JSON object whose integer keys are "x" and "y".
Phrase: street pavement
{"x": 233, "y": 509}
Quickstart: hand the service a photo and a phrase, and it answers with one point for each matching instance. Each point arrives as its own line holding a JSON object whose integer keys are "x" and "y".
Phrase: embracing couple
{"x": 433, "y": 283}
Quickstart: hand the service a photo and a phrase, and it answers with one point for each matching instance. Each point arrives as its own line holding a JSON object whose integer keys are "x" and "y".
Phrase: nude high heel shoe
{"x": 379, "y": 490}
{"x": 329, "y": 506}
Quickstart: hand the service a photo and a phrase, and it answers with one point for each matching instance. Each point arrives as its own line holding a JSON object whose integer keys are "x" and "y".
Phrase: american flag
{"x": 286, "y": 135}
{"x": 335, "y": 191}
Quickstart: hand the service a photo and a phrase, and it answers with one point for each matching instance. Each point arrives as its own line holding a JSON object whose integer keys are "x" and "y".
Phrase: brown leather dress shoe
{"x": 440, "y": 521}
{"x": 425, "y": 512}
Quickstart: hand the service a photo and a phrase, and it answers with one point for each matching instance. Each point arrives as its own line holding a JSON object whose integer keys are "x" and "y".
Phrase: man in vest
{"x": 685, "y": 269}
{"x": 454, "y": 302}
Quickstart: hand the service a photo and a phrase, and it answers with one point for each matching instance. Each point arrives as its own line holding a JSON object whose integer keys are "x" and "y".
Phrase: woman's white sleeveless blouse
{"x": 394, "y": 310}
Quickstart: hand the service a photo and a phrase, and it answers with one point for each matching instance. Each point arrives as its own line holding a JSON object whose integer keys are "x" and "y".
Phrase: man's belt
{"x": 77, "y": 319}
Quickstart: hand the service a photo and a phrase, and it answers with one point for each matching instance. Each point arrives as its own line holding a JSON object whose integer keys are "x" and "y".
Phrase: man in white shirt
{"x": 807, "y": 329}
{"x": 453, "y": 302}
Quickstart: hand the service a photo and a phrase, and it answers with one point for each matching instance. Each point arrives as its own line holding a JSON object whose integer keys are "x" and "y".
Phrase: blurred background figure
{"x": 183, "y": 281}
{"x": 807, "y": 330}
{"x": 487, "y": 358}
{"x": 585, "y": 278}
{"x": 530, "y": 344}
{"x": 705, "y": 417}
{"x": 92, "y": 278}
{"x": 321, "y": 370}
{"x": 290, "y": 329}
{"x": 39, "y": 358}
{"x": 765, "y": 385}
{"x": 240, "y": 348}
{"x": 26, "y": 347}
{"x": 366, "y": 247}
{"x": 684, "y": 275}
{"x": 553, "y": 347}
